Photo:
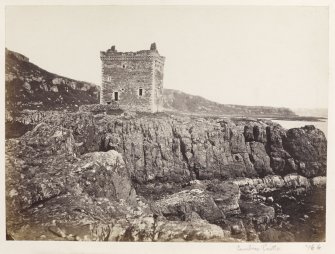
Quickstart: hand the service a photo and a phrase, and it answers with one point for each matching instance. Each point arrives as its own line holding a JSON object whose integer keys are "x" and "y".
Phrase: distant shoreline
{"x": 299, "y": 118}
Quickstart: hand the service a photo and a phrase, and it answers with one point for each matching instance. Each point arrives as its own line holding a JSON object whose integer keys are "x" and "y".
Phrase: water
{"x": 287, "y": 124}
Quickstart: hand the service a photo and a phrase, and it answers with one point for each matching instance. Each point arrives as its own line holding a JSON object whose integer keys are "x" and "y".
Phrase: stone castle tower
{"x": 133, "y": 80}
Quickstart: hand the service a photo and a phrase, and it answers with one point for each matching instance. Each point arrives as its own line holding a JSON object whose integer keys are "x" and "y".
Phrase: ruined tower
{"x": 134, "y": 80}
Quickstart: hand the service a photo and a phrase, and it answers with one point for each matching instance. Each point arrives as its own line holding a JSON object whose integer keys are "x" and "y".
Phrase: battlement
{"x": 113, "y": 54}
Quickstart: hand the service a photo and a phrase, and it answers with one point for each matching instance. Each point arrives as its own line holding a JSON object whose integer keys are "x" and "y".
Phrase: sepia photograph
{"x": 167, "y": 123}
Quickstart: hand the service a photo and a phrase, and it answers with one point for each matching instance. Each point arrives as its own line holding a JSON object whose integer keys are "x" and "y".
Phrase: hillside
{"x": 31, "y": 87}
{"x": 178, "y": 101}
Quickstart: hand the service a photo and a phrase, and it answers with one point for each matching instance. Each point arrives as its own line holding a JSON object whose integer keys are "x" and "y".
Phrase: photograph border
{"x": 177, "y": 247}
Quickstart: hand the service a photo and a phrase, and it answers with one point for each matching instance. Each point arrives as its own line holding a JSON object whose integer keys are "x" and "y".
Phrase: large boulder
{"x": 45, "y": 163}
{"x": 36, "y": 165}
{"x": 179, "y": 206}
{"x": 44, "y": 172}
{"x": 308, "y": 146}
{"x": 46, "y": 140}
{"x": 103, "y": 174}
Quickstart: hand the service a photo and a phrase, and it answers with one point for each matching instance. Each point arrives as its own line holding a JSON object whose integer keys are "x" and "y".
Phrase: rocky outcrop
{"x": 308, "y": 146}
{"x": 169, "y": 149}
{"x": 80, "y": 176}
{"x": 52, "y": 192}
{"x": 44, "y": 165}
{"x": 166, "y": 147}
{"x": 180, "y": 149}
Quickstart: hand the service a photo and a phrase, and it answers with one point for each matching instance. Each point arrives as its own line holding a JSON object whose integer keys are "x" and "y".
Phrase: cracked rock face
{"x": 79, "y": 176}
{"x": 44, "y": 166}
{"x": 308, "y": 146}
{"x": 180, "y": 149}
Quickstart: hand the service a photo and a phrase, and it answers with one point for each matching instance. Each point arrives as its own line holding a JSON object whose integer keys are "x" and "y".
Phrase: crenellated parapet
{"x": 112, "y": 54}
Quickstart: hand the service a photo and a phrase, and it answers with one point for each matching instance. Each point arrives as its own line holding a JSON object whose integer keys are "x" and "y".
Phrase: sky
{"x": 256, "y": 55}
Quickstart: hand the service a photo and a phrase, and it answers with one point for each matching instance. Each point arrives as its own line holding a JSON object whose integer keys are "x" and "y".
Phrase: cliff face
{"x": 180, "y": 149}
{"x": 165, "y": 147}
{"x": 30, "y": 87}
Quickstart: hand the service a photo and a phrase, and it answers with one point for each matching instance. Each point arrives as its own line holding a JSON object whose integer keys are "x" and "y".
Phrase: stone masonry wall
{"x": 127, "y": 73}
{"x": 158, "y": 80}
{"x": 127, "y": 81}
